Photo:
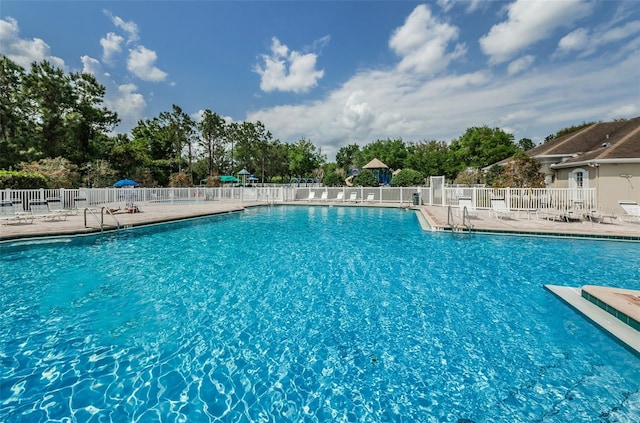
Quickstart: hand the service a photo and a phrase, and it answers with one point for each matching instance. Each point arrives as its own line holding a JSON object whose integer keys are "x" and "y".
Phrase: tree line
{"x": 55, "y": 124}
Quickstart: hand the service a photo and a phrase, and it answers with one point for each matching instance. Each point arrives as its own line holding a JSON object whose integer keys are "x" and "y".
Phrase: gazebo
{"x": 379, "y": 170}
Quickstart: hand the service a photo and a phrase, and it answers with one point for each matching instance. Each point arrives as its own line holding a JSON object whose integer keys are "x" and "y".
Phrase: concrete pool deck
{"x": 529, "y": 224}
{"x": 150, "y": 214}
{"x": 431, "y": 217}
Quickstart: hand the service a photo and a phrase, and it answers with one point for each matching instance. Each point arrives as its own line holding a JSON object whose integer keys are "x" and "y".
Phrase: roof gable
{"x": 605, "y": 140}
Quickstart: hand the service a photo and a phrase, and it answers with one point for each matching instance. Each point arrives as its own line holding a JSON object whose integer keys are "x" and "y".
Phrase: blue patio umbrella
{"x": 125, "y": 183}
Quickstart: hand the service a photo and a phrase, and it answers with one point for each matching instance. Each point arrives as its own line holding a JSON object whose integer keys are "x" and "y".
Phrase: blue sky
{"x": 347, "y": 72}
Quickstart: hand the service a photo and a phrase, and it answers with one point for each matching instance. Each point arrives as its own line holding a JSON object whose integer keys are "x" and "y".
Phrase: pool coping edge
{"x": 609, "y": 323}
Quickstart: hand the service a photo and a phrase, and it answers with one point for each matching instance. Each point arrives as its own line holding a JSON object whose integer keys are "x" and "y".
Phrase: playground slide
{"x": 348, "y": 181}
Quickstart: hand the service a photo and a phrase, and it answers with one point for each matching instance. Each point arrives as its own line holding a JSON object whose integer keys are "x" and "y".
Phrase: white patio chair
{"x": 499, "y": 208}
{"x": 8, "y": 214}
{"x": 40, "y": 209}
{"x": 466, "y": 202}
{"x": 55, "y": 206}
{"x": 631, "y": 210}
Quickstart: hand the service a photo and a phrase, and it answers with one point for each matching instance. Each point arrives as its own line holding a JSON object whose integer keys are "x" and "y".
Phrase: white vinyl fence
{"x": 515, "y": 198}
{"x": 149, "y": 196}
{"x": 526, "y": 198}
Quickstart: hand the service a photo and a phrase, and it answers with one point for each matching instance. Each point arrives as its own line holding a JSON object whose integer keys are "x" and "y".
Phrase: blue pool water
{"x": 309, "y": 314}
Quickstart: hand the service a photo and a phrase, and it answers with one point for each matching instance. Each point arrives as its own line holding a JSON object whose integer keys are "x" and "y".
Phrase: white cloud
{"x": 447, "y": 5}
{"x": 575, "y": 40}
{"x": 529, "y": 22}
{"x": 356, "y": 111}
{"x": 111, "y": 45}
{"x": 619, "y": 33}
{"x": 141, "y": 63}
{"x": 130, "y": 28}
{"x": 286, "y": 70}
{"x": 92, "y": 66}
{"x": 123, "y": 99}
{"x": 520, "y": 65}
{"x": 199, "y": 115}
{"x": 422, "y": 43}
{"x": 129, "y": 104}
{"x": 23, "y": 51}
{"x": 581, "y": 40}
{"x": 389, "y": 104}
{"x": 625, "y": 110}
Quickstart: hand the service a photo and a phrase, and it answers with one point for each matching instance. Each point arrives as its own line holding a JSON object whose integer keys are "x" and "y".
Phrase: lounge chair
{"x": 466, "y": 202}
{"x": 81, "y": 203}
{"x": 40, "y": 209}
{"x": 353, "y": 197}
{"x": 324, "y": 196}
{"x": 370, "y": 197}
{"x": 631, "y": 210}
{"x": 312, "y": 195}
{"x": 17, "y": 205}
{"x": 55, "y": 206}
{"x": 340, "y": 196}
{"x": 595, "y": 216}
{"x": 551, "y": 214}
{"x": 499, "y": 208}
{"x": 8, "y": 214}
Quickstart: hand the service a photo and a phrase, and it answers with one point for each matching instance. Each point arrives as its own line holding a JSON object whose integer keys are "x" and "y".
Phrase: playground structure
{"x": 379, "y": 170}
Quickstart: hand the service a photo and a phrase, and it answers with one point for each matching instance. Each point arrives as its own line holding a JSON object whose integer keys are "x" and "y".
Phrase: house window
{"x": 579, "y": 178}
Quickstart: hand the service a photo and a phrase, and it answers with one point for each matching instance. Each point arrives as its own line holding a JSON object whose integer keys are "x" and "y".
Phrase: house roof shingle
{"x": 600, "y": 141}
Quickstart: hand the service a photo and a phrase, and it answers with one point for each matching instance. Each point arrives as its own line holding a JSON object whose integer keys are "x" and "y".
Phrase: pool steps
{"x": 624, "y": 304}
{"x": 615, "y": 310}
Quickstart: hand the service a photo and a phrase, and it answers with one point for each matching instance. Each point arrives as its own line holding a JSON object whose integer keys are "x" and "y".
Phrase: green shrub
{"x": 366, "y": 179}
{"x": 407, "y": 178}
{"x": 333, "y": 179}
{"x": 11, "y": 179}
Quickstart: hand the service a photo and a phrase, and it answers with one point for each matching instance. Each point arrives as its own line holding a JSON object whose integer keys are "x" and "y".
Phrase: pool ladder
{"x": 101, "y": 219}
{"x": 465, "y": 225}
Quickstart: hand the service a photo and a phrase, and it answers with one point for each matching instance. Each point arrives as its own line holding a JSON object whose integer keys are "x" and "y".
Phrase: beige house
{"x": 604, "y": 156}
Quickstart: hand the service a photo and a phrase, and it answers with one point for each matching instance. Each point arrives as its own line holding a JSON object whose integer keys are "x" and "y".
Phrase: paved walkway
{"x": 435, "y": 216}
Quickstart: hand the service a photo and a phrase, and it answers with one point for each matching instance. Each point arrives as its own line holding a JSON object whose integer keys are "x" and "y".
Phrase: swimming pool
{"x": 309, "y": 314}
